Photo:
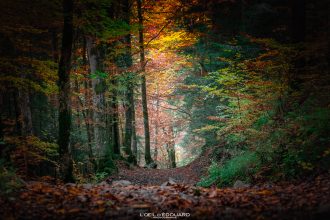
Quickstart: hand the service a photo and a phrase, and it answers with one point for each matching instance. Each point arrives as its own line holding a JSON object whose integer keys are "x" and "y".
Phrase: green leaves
{"x": 94, "y": 20}
{"x": 99, "y": 75}
{"x": 239, "y": 167}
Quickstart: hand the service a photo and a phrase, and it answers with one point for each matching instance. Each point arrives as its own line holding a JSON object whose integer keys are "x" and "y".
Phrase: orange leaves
{"x": 264, "y": 192}
{"x": 41, "y": 201}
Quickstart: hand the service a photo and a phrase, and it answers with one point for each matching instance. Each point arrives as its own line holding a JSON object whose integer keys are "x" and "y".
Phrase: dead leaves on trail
{"x": 103, "y": 201}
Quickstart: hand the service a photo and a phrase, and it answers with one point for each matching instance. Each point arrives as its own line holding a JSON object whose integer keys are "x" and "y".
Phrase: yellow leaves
{"x": 175, "y": 40}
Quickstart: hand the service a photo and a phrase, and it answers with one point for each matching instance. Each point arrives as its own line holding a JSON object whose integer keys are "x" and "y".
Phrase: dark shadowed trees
{"x": 64, "y": 92}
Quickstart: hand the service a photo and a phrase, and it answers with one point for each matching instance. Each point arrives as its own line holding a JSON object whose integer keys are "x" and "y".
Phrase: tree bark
{"x": 129, "y": 105}
{"x": 134, "y": 140}
{"x": 115, "y": 122}
{"x": 128, "y": 123}
{"x": 157, "y": 125}
{"x": 171, "y": 148}
{"x": 88, "y": 112}
{"x": 64, "y": 93}
{"x": 98, "y": 100}
{"x": 25, "y": 116}
{"x": 148, "y": 158}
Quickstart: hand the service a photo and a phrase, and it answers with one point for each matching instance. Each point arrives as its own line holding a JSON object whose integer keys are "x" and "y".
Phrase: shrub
{"x": 240, "y": 167}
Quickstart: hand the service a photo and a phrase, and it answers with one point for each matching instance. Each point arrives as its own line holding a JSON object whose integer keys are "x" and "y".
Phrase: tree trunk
{"x": 98, "y": 100}
{"x": 88, "y": 112}
{"x": 148, "y": 158}
{"x": 89, "y": 127}
{"x": 134, "y": 140}
{"x": 64, "y": 93}
{"x": 156, "y": 125}
{"x": 25, "y": 116}
{"x": 77, "y": 90}
{"x": 129, "y": 104}
{"x": 128, "y": 123}
{"x": 115, "y": 122}
{"x": 171, "y": 148}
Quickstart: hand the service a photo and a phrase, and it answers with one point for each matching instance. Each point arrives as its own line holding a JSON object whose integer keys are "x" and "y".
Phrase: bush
{"x": 241, "y": 167}
{"x": 297, "y": 147}
{"x": 99, "y": 177}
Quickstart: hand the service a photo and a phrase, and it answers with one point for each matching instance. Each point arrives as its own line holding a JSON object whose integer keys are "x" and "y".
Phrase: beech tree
{"x": 147, "y": 152}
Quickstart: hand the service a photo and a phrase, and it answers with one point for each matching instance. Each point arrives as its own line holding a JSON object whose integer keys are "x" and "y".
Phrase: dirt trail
{"x": 189, "y": 174}
{"x": 148, "y": 198}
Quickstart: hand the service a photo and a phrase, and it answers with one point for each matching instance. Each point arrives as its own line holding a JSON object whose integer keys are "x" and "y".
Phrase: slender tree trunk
{"x": 114, "y": 12}
{"x": 64, "y": 93}
{"x": 25, "y": 116}
{"x": 128, "y": 124}
{"x": 148, "y": 158}
{"x": 134, "y": 140}
{"x": 18, "y": 124}
{"x": 88, "y": 112}
{"x": 115, "y": 121}
{"x": 77, "y": 88}
{"x": 109, "y": 130}
{"x": 156, "y": 125}
{"x": 89, "y": 127}
{"x": 171, "y": 148}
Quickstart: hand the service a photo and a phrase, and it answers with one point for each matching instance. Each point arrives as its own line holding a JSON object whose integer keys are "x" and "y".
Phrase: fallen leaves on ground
{"x": 189, "y": 174}
{"x": 39, "y": 200}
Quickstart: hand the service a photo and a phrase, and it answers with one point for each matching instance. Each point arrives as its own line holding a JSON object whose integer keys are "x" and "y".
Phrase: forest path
{"x": 189, "y": 174}
{"x": 39, "y": 200}
{"x": 147, "y": 197}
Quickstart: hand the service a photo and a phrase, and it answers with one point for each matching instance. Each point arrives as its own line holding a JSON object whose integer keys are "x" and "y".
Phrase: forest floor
{"x": 150, "y": 194}
{"x": 189, "y": 174}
